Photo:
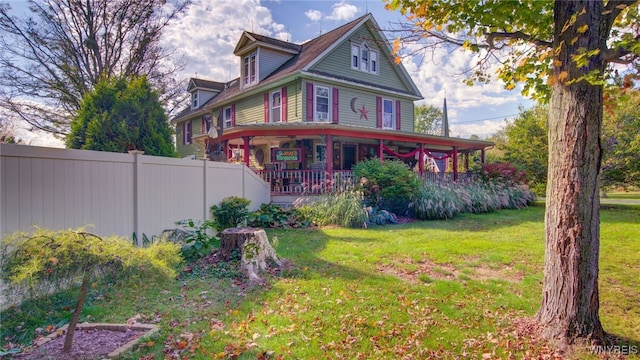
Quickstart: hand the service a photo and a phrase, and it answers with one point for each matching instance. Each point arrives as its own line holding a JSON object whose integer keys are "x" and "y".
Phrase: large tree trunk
{"x": 569, "y": 310}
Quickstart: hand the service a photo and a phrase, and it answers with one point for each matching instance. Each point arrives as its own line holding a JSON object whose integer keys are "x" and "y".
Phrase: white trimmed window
{"x": 276, "y": 106}
{"x": 194, "y": 100}
{"x": 227, "y": 116}
{"x": 355, "y": 57}
{"x": 388, "y": 118}
{"x": 250, "y": 68}
{"x": 186, "y": 132}
{"x": 363, "y": 58}
{"x": 322, "y": 101}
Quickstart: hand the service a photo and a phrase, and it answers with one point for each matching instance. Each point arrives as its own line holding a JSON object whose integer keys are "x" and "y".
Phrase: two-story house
{"x": 303, "y": 114}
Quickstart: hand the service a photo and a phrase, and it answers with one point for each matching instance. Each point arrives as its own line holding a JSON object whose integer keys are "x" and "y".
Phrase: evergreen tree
{"x": 119, "y": 115}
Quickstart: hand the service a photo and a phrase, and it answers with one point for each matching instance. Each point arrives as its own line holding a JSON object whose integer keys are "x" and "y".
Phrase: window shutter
{"x": 335, "y": 100}
{"x": 379, "y": 112}
{"x": 284, "y": 104}
{"x": 309, "y": 101}
{"x": 266, "y": 107}
{"x": 233, "y": 115}
{"x": 398, "y": 117}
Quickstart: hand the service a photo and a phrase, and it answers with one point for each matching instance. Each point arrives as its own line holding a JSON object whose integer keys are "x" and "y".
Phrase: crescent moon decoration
{"x": 353, "y": 104}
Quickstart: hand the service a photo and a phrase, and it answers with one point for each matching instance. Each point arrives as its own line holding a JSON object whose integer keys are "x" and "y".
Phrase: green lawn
{"x": 448, "y": 289}
{"x": 624, "y": 195}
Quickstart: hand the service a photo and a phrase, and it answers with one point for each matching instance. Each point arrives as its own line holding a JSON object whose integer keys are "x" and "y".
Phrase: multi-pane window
{"x": 355, "y": 57}
{"x": 322, "y": 102}
{"x": 186, "y": 132}
{"x": 194, "y": 100}
{"x": 276, "y": 106}
{"x": 363, "y": 58}
{"x": 364, "y": 66}
{"x": 250, "y": 69}
{"x": 388, "y": 120}
{"x": 227, "y": 116}
{"x": 374, "y": 62}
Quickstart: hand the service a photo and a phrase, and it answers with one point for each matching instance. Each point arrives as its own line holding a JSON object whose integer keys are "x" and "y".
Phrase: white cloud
{"x": 343, "y": 11}
{"x": 208, "y": 32}
{"x": 314, "y": 15}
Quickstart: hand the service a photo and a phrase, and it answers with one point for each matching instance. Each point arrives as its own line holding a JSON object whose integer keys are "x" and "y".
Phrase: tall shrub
{"x": 389, "y": 185}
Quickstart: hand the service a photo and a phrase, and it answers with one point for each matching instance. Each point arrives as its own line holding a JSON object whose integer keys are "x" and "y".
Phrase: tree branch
{"x": 492, "y": 36}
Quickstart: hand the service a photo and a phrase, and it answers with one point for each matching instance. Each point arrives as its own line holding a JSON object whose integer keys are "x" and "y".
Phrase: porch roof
{"x": 314, "y": 129}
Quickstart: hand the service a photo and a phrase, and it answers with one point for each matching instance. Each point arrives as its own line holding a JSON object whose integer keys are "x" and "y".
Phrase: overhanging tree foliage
{"x": 560, "y": 50}
{"x": 53, "y": 56}
{"x": 120, "y": 115}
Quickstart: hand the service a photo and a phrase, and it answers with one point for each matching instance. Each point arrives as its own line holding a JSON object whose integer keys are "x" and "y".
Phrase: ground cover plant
{"x": 457, "y": 288}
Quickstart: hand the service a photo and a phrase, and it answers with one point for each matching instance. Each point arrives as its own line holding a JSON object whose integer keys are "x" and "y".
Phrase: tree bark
{"x": 71, "y": 329}
{"x": 570, "y": 303}
{"x": 255, "y": 249}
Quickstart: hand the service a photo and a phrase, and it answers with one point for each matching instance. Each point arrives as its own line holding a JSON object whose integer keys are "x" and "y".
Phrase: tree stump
{"x": 254, "y": 247}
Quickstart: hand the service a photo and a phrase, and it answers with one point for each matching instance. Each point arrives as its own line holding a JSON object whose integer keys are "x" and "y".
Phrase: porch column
{"x": 421, "y": 160}
{"x": 466, "y": 162}
{"x": 329, "y": 155}
{"x": 455, "y": 163}
{"x": 380, "y": 152}
{"x": 246, "y": 150}
{"x": 482, "y": 156}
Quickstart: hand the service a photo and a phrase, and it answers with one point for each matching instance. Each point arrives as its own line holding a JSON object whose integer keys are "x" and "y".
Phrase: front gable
{"x": 363, "y": 56}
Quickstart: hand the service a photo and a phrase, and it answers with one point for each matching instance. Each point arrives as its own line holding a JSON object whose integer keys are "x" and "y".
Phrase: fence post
{"x": 137, "y": 165}
{"x": 204, "y": 189}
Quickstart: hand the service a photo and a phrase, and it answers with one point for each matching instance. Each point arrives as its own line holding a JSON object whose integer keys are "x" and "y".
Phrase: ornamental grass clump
{"x": 343, "y": 209}
{"x": 436, "y": 202}
{"x": 444, "y": 201}
{"x": 47, "y": 261}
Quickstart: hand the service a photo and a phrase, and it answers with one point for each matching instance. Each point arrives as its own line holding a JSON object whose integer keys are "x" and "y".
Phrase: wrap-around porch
{"x": 316, "y": 158}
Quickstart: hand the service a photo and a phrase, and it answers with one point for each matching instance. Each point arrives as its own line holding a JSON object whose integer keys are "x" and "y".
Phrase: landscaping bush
{"x": 275, "y": 216}
{"x": 46, "y": 261}
{"x": 502, "y": 172}
{"x": 232, "y": 211}
{"x": 197, "y": 239}
{"x": 390, "y": 185}
{"x": 344, "y": 209}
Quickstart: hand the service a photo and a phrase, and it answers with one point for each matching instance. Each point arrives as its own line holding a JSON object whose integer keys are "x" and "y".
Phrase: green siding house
{"x": 302, "y": 115}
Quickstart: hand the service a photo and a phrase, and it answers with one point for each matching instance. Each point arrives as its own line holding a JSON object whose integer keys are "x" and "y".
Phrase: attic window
{"x": 194, "y": 100}
{"x": 250, "y": 68}
{"x": 363, "y": 58}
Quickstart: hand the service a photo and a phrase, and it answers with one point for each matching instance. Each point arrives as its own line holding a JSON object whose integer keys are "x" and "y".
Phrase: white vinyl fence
{"x": 119, "y": 194}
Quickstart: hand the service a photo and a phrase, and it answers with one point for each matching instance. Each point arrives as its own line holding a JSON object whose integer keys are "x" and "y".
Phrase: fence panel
{"x": 118, "y": 194}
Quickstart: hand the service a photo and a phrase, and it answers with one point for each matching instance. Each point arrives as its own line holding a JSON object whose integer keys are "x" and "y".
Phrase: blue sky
{"x": 207, "y": 34}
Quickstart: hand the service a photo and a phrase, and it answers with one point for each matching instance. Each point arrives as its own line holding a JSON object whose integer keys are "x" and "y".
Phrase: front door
{"x": 349, "y": 156}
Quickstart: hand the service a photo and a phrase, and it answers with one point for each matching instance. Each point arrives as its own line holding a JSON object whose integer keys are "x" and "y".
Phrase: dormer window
{"x": 194, "y": 100}
{"x": 363, "y": 58}
{"x": 250, "y": 68}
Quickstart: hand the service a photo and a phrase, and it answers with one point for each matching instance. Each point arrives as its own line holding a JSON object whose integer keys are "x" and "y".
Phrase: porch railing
{"x": 316, "y": 182}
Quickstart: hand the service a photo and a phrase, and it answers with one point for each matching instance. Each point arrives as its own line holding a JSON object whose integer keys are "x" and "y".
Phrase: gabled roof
{"x": 307, "y": 55}
{"x": 249, "y": 40}
{"x": 201, "y": 84}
